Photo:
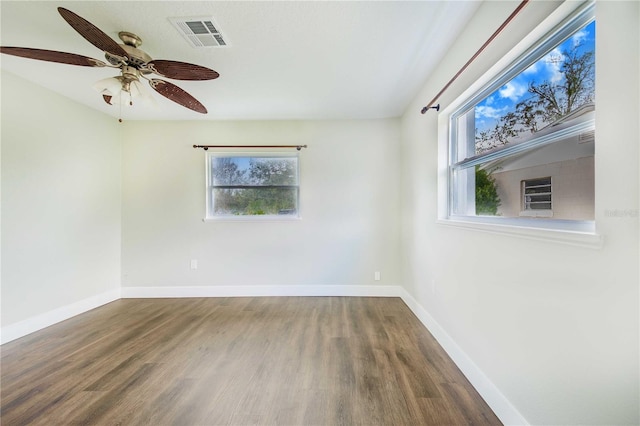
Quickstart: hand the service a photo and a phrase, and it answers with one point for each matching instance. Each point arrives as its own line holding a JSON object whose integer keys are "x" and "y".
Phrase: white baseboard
{"x": 262, "y": 290}
{"x": 500, "y": 405}
{"x": 30, "y": 325}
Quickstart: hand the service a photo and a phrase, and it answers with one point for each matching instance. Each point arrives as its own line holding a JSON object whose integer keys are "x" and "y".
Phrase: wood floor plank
{"x": 237, "y": 361}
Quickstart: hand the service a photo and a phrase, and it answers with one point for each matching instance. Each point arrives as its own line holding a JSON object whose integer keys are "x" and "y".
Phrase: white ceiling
{"x": 286, "y": 59}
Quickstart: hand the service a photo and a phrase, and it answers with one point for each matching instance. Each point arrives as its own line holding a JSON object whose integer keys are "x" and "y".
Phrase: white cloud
{"x": 513, "y": 90}
{"x": 579, "y": 37}
{"x": 489, "y": 112}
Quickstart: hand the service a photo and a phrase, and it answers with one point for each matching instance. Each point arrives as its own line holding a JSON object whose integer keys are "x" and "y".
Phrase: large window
{"x": 530, "y": 128}
{"x": 259, "y": 185}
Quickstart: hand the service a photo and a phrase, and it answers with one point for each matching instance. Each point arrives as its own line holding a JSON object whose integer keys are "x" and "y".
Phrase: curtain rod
{"x": 206, "y": 147}
{"x": 430, "y": 105}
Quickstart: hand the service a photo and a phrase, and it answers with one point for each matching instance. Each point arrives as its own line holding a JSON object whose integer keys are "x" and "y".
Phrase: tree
{"x": 275, "y": 176}
{"x": 255, "y": 185}
{"x": 549, "y": 100}
{"x": 272, "y": 171}
{"x": 487, "y": 199}
{"x": 554, "y": 101}
{"x": 265, "y": 187}
{"x": 226, "y": 172}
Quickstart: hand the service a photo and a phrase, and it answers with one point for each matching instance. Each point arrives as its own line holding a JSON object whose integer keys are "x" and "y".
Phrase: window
{"x": 536, "y": 197}
{"x": 260, "y": 185}
{"x": 529, "y": 127}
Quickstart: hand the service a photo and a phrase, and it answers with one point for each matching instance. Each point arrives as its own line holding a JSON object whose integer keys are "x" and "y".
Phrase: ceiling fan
{"x": 134, "y": 64}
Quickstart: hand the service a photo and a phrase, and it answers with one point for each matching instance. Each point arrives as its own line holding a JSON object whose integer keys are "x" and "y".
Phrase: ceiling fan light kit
{"x": 120, "y": 90}
{"x": 134, "y": 64}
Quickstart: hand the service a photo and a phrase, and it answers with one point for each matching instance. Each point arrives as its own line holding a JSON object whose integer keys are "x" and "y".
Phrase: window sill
{"x": 536, "y": 213}
{"x": 582, "y": 234}
{"x": 264, "y": 218}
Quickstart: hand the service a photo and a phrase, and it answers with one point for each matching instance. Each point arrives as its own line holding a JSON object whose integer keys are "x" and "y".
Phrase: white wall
{"x": 561, "y": 347}
{"x": 349, "y": 206}
{"x": 60, "y": 202}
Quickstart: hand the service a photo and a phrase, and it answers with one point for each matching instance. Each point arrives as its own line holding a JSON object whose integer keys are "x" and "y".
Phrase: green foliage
{"x": 487, "y": 199}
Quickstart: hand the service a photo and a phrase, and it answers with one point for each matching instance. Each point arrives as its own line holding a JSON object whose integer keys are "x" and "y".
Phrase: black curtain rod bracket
{"x": 427, "y": 108}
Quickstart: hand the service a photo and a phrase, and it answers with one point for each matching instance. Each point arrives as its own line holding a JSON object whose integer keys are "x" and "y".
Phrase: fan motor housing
{"x": 137, "y": 58}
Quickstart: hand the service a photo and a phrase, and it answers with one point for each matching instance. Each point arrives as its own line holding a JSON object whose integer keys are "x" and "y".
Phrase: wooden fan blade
{"x": 52, "y": 56}
{"x": 181, "y": 70}
{"x": 92, "y": 34}
{"x": 177, "y": 95}
{"x": 107, "y": 98}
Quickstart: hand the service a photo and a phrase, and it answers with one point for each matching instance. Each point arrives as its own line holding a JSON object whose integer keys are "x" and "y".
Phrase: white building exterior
{"x": 568, "y": 162}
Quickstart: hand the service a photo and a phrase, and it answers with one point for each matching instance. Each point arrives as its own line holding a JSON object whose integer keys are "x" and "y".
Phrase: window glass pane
{"x": 229, "y": 170}
{"x": 254, "y": 171}
{"x": 514, "y": 185}
{"x": 534, "y": 183}
{"x": 255, "y": 201}
{"x": 273, "y": 171}
{"x": 551, "y": 88}
{"x": 537, "y": 190}
{"x": 253, "y": 185}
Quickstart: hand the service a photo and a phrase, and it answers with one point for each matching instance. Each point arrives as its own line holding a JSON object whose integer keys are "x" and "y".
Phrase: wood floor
{"x": 237, "y": 361}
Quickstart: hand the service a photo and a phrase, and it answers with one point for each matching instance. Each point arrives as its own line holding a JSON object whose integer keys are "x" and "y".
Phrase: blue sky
{"x": 506, "y": 97}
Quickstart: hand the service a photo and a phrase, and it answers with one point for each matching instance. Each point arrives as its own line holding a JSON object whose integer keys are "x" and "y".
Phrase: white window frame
{"x": 209, "y": 207}
{"x": 547, "y": 34}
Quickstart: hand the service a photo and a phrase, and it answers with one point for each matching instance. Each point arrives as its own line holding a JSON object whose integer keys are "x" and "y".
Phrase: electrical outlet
{"x": 194, "y": 263}
{"x": 376, "y": 276}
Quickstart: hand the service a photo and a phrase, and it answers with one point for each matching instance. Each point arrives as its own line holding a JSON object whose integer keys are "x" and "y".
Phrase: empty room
{"x": 272, "y": 212}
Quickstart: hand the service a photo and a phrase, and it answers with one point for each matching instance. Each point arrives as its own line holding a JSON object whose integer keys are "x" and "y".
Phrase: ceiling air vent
{"x": 200, "y": 32}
